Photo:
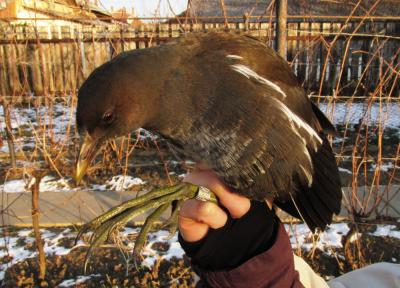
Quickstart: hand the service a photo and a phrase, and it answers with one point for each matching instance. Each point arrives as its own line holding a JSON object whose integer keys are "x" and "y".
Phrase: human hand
{"x": 223, "y": 237}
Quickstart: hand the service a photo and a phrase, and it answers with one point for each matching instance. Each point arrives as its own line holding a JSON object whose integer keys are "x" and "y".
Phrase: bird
{"x": 224, "y": 99}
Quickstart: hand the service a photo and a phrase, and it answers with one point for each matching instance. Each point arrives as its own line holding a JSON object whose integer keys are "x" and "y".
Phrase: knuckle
{"x": 205, "y": 210}
{"x": 185, "y": 223}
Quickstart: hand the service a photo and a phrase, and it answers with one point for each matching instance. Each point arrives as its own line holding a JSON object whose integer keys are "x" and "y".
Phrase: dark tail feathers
{"x": 317, "y": 204}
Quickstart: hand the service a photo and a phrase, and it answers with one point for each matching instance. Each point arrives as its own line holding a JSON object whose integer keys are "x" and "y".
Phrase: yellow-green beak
{"x": 86, "y": 154}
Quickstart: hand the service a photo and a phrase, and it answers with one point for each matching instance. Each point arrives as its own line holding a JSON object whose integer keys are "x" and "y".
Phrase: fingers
{"x": 237, "y": 205}
{"x": 196, "y": 217}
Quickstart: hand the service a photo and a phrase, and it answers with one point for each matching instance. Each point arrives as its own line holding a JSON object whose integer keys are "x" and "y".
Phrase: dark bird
{"x": 227, "y": 100}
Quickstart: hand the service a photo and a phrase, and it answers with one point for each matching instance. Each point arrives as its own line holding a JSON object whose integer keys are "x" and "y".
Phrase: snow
{"x": 387, "y": 230}
{"x": 19, "y": 253}
{"x": 47, "y": 184}
{"x": 78, "y": 280}
{"x": 385, "y": 166}
{"x": 150, "y": 255}
{"x": 119, "y": 183}
{"x": 341, "y": 169}
{"x": 174, "y": 250}
{"x": 9, "y": 246}
{"x": 52, "y": 184}
{"x": 343, "y": 113}
{"x": 24, "y": 123}
{"x": 52, "y": 247}
{"x": 13, "y": 186}
{"x": 301, "y": 236}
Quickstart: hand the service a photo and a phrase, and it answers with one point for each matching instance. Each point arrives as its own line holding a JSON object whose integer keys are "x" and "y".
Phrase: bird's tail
{"x": 317, "y": 204}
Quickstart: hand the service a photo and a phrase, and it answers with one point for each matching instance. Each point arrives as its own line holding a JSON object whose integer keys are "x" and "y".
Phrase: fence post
{"x": 38, "y": 175}
{"x": 222, "y": 3}
{"x": 281, "y": 34}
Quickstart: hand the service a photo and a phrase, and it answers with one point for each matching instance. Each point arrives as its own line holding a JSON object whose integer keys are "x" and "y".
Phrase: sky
{"x": 147, "y": 8}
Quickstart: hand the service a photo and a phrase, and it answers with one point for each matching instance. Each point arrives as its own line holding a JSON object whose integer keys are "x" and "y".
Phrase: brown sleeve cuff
{"x": 272, "y": 268}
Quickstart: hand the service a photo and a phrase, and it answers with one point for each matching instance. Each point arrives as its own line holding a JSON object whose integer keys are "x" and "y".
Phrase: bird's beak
{"x": 88, "y": 150}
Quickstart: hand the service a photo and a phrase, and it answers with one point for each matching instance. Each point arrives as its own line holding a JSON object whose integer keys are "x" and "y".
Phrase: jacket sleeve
{"x": 272, "y": 268}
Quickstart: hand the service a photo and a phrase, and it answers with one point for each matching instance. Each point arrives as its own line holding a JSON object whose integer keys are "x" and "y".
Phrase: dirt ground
{"x": 109, "y": 268}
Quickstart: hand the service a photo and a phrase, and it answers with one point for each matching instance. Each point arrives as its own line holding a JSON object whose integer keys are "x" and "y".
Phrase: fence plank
{"x": 64, "y": 56}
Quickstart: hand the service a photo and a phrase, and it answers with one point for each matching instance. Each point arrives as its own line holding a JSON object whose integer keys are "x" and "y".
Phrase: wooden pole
{"x": 35, "y": 222}
{"x": 281, "y": 34}
{"x": 222, "y": 2}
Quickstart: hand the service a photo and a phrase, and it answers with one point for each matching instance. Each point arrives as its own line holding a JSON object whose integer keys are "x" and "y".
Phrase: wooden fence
{"x": 334, "y": 57}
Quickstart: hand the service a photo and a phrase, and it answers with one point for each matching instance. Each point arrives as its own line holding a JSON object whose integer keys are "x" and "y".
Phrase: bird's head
{"x": 113, "y": 101}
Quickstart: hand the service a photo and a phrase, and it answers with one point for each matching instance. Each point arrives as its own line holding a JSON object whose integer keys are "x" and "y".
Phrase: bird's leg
{"x": 142, "y": 237}
{"x": 98, "y": 221}
{"x": 148, "y": 224}
{"x": 119, "y": 216}
{"x": 172, "y": 221}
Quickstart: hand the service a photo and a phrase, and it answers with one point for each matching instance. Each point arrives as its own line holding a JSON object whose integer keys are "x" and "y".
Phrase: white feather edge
{"x": 249, "y": 73}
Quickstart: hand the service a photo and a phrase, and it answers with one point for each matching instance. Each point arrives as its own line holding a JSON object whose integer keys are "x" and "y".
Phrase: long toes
{"x": 136, "y": 202}
{"x": 172, "y": 228}
{"x": 148, "y": 224}
{"x": 119, "y": 216}
{"x": 174, "y": 215}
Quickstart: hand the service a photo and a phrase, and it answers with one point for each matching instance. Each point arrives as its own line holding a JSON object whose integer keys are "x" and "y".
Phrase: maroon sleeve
{"x": 272, "y": 268}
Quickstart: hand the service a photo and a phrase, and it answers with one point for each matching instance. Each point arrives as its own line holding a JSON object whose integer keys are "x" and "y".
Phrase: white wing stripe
{"x": 297, "y": 120}
{"x": 247, "y": 72}
{"x": 237, "y": 57}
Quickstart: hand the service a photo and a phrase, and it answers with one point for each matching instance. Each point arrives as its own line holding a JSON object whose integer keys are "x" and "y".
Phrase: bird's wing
{"x": 256, "y": 133}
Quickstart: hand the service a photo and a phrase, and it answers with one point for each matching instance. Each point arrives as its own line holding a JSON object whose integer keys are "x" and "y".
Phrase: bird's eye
{"x": 108, "y": 117}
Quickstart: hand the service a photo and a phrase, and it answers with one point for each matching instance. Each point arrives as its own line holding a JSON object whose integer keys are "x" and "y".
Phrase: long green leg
{"x": 105, "y": 224}
{"x": 148, "y": 224}
{"x": 142, "y": 237}
{"x": 172, "y": 221}
{"x": 95, "y": 223}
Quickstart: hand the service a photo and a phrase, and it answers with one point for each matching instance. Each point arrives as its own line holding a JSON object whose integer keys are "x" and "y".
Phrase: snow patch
{"x": 11, "y": 246}
{"x": 386, "y": 231}
{"x": 14, "y": 186}
{"x": 152, "y": 255}
{"x": 52, "y": 184}
{"x": 384, "y": 166}
{"x": 77, "y": 280}
{"x": 342, "y": 113}
{"x": 301, "y": 236}
{"x": 341, "y": 169}
{"x": 120, "y": 183}
{"x": 47, "y": 184}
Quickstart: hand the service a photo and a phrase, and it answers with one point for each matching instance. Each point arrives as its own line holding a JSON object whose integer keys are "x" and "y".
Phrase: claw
{"x": 126, "y": 205}
{"x": 119, "y": 216}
